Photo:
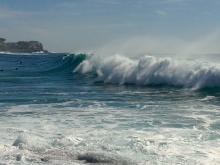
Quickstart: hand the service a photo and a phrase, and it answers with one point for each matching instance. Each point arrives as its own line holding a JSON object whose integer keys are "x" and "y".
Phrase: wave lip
{"x": 68, "y": 63}
{"x": 150, "y": 70}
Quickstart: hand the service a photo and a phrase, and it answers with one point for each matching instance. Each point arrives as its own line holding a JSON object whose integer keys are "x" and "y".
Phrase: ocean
{"x": 86, "y": 109}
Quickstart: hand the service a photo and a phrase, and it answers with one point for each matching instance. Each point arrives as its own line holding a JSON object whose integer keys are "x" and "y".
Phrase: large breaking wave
{"x": 152, "y": 71}
{"x": 117, "y": 69}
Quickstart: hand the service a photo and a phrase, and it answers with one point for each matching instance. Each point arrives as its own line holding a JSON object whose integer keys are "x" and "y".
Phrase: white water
{"x": 72, "y": 120}
{"x": 149, "y": 70}
{"x": 58, "y": 136}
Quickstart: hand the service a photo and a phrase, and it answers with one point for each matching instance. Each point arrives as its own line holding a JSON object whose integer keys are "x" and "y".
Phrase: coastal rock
{"x": 2, "y": 44}
{"x": 2, "y": 40}
{"x": 21, "y": 46}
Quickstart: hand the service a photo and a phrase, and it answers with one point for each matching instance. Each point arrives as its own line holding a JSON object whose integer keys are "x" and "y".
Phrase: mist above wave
{"x": 150, "y": 70}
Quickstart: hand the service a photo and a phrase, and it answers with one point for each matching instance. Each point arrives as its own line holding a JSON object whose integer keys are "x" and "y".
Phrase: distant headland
{"x": 21, "y": 46}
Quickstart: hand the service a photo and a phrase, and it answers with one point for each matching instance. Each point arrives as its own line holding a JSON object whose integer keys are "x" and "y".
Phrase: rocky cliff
{"x": 21, "y": 46}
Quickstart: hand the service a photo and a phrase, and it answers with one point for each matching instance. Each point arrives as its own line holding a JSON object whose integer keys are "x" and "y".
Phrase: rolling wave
{"x": 153, "y": 71}
{"x": 121, "y": 70}
{"x": 68, "y": 63}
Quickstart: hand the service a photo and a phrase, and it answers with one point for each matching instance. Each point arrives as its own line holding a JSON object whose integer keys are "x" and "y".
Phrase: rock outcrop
{"x": 21, "y": 46}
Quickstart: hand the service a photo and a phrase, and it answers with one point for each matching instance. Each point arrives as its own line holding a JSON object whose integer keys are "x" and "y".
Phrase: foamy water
{"x": 50, "y": 115}
{"x": 149, "y": 70}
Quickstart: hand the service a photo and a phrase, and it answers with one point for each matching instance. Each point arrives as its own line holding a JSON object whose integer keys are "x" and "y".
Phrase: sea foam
{"x": 150, "y": 70}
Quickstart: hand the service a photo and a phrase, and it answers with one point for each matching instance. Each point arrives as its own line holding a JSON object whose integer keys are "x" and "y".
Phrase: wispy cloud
{"x": 66, "y": 4}
{"x": 174, "y": 1}
{"x": 83, "y": 24}
{"x": 161, "y": 12}
{"x": 92, "y": 3}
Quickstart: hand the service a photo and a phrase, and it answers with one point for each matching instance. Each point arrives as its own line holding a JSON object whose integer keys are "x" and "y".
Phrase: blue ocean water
{"x": 79, "y": 109}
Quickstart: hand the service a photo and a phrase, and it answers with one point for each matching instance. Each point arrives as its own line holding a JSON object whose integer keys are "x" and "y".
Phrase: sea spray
{"x": 149, "y": 70}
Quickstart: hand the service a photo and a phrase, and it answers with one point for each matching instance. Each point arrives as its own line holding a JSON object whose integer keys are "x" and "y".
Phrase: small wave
{"x": 25, "y": 141}
{"x": 26, "y": 150}
{"x": 208, "y": 98}
{"x": 18, "y": 53}
{"x": 151, "y": 71}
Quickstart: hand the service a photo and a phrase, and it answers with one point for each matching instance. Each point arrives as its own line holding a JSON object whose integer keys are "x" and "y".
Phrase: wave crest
{"x": 150, "y": 70}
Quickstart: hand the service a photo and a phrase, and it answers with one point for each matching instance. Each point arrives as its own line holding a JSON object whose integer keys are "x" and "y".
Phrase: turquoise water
{"x": 70, "y": 109}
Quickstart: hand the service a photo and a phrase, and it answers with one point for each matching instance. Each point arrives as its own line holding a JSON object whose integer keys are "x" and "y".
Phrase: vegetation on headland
{"x": 21, "y": 46}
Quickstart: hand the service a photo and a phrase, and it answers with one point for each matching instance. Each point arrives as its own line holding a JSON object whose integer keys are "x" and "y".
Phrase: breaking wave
{"x": 152, "y": 71}
{"x": 121, "y": 70}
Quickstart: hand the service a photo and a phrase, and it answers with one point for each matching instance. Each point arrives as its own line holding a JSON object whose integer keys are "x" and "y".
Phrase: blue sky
{"x": 76, "y": 25}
